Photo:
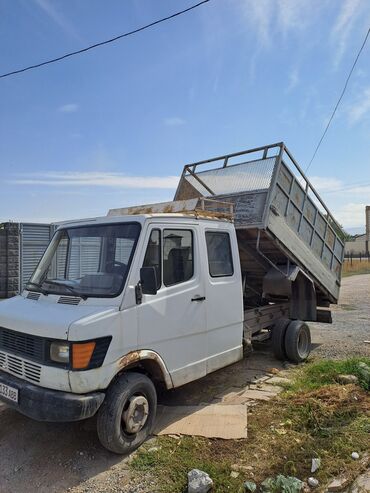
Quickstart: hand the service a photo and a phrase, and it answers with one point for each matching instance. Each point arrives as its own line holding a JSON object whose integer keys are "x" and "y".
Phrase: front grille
{"x": 19, "y": 367}
{"x": 37, "y": 349}
{"x": 26, "y": 345}
{"x": 33, "y": 296}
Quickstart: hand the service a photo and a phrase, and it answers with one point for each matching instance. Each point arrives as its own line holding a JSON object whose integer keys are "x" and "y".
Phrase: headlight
{"x": 81, "y": 355}
{"x": 59, "y": 352}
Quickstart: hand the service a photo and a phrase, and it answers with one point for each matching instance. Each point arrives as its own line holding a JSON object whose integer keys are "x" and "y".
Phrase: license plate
{"x": 8, "y": 392}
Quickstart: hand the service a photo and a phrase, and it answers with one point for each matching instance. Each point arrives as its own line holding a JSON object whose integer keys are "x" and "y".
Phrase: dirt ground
{"x": 56, "y": 458}
{"x": 351, "y": 322}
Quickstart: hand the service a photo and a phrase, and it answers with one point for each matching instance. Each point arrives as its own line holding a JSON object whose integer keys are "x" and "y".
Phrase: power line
{"x": 96, "y": 45}
{"x": 339, "y": 100}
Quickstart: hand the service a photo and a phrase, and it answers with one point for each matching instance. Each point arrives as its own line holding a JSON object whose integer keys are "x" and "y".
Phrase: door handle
{"x": 198, "y": 298}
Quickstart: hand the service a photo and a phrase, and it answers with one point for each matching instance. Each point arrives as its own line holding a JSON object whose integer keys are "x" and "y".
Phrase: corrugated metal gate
{"x": 84, "y": 256}
{"x": 29, "y": 242}
{"x": 34, "y": 240}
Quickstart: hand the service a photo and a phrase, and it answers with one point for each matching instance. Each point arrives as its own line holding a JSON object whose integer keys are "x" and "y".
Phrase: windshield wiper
{"x": 71, "y": 288}
{"x": 39, "y": 286}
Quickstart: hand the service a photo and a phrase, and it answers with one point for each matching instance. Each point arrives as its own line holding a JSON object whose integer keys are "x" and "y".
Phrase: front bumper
{"x": 44, "y": 404}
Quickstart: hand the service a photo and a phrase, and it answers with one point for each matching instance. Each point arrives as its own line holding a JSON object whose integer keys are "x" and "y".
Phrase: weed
{"x": 176, "y": 458}
{"x": 316, "y": 374}
{"x": 355, "y": 267}
{"x": 316, "y": 417}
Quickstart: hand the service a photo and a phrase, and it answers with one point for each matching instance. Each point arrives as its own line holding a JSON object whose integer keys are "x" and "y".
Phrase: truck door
{"x": 173, "y": 322}
{"x": 224, "y": 300}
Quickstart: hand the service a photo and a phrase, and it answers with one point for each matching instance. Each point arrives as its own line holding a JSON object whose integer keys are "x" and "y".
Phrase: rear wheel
{"x": 126, "y": 417}
{"x": 278, "y": 338}
{"x": 297, "y": 341}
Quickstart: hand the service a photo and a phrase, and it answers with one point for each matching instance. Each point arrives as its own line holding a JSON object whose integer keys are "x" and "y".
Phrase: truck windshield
{"x": 87, "y": 261}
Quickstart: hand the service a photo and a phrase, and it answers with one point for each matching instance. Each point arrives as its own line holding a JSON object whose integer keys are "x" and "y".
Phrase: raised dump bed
{"x": 284, "y": 228}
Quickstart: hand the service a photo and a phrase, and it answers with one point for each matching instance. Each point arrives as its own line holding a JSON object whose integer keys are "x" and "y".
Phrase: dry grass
{"x": 355, "y": 267}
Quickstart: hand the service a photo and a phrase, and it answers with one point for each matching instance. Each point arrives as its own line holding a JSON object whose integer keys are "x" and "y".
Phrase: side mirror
{"x": 148, "y": 280}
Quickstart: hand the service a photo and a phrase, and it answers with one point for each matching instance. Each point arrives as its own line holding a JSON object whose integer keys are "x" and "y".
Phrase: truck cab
{"x": 116, "y": 307}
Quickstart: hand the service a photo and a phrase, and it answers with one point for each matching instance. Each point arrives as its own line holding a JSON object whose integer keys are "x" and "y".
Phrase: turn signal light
{"x": 81, "y": 355}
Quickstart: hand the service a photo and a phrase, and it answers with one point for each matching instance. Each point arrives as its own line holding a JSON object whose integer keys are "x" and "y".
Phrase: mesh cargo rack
{"x": 278, "y": 213}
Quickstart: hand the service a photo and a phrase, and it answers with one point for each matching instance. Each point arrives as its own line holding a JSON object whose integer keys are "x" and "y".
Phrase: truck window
{"x": 88, "y": 260}
{"x": 177, "y": 256}
{"x": 123, "y": 249}
{"x": 153, "y": 254}
{"x": 220, "y": 259}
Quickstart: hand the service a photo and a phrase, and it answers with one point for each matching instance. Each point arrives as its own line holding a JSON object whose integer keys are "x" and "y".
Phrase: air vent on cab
{"x": 69, "y": 300}
{"x": 33, "y": 296}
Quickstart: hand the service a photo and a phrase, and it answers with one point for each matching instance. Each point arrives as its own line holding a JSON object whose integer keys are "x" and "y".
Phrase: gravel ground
{"x": 351, "y": 322}
{"x": 55, "y": 458}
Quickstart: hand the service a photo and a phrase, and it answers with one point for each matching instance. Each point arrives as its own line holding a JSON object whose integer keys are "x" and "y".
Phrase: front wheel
{"x": 126, "y": 417}
{"x": 297, "y": 341}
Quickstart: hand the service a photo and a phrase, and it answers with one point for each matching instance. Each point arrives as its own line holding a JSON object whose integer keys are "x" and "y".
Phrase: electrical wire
{"x": 96, "y": 45}
{"x": 339, "y": 100}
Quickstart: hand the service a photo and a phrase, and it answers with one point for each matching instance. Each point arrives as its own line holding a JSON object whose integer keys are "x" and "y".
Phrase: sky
{"x": 114, "y": 127}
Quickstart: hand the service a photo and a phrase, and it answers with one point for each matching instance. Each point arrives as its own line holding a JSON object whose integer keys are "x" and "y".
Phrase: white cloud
{"x": 351, "y": 215}
{"x": 174, "y": 121}
{"x": 326, "y": 183}
{"x": 335, "y": 186}
{"x": 347, "y": 12}
{"x": 68, "y": 108}
{"x": 259, "y": 15}
{"x": 350, "y": 12}
{"x": 293, "y": 79}
{"x": 361, "y": 108}
{"x": 293, "y": 14}
{"x": 359, "y": 189}
{"x": 266, "y": 17}
{"x": 59, "y": 19}
{"x": 339, "y": 196}
{"x": 95, "y": 179}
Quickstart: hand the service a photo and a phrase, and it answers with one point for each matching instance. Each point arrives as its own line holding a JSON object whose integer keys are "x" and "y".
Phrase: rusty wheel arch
{"x": 147, "y": 362}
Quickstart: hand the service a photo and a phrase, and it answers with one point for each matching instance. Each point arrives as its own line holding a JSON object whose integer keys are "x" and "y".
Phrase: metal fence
{"x": 361, "y": 257}
{"x": 34, "y": 239}
{"x": 21, "y": 247}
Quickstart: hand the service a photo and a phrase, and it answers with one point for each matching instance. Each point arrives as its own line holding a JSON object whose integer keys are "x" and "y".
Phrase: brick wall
{"x": 3, "y": 263}
{"x": 9, "y": 259}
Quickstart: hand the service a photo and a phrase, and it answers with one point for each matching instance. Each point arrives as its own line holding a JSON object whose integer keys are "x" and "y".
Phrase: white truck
{"x": 166, "y": 293}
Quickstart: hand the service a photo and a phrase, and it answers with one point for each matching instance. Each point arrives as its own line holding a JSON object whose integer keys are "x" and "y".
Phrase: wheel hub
{"x": 136, "y": 414}
{"x": 302, "y": 343}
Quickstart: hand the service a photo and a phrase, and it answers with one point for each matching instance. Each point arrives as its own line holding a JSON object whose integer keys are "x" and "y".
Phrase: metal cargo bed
{"x": 282, "y": 224}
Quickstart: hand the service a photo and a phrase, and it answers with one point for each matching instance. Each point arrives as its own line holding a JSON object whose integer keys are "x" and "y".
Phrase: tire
{"x": 132, "y": 395}
{"x": 297, "y": 341}
{"x": 278, "y": 338}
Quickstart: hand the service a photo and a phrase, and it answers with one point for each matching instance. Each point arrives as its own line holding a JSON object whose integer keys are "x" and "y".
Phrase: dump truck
{"x": 162, "y": 294}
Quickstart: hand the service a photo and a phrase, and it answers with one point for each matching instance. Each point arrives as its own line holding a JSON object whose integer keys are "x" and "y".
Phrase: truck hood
{"x": 45, "y": 319}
